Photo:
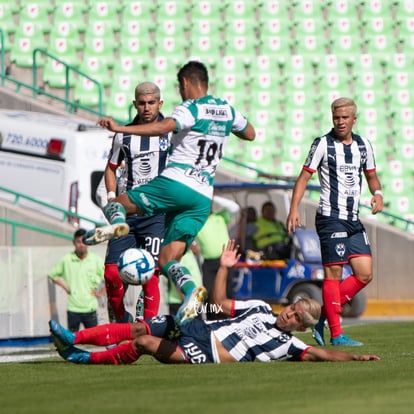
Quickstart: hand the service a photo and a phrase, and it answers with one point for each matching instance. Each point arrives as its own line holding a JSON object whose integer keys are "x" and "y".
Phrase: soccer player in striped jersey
{"x": 142, "y": 159}
{"x": 341, "y": 158}
{"x": 251, "y": 333}
{"x": 201, "y": 126}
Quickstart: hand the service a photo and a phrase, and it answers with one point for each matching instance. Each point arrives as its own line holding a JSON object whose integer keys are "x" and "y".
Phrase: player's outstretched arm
{"x": 228, "y": 259}
{"x": 319, "y": 354}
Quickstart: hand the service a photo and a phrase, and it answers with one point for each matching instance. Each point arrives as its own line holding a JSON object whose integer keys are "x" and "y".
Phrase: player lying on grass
{"x": 251, "y": 333}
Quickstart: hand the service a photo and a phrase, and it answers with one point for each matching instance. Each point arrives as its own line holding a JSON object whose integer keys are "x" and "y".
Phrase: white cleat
{"x": 101, "y": 234}
{"x": 190, "y": 308}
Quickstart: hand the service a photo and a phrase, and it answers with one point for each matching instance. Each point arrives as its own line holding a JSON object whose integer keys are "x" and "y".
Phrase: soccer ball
{"x": 136, "y": 266}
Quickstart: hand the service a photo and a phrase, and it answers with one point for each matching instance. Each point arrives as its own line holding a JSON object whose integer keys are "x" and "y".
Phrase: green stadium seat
{"x": 310, "y": 36}
{"x": 8, "y": 17}
{"x": 86, "y": 92}
{"x": 137, "y": 47}
{"x": 117, "y": 105}
{"x": 101, "y": 28}
{"x": 342, "y": 8}
{"x": 276, "y": 44}
{"x": 273, "y": 9}
{"x": 66, "y": 49}
{"x": 172, "y": 46}
{"x": 70, "y": 12}
{"x": 28, "y": 36}
{"x": 106, "y": 11}
{"x": 139, "y": 10}
{"x": 205, "y": 49}
{"x": 239, "y": 9}
{"x": 102, "y": 48}
{"x": 206, "y": 9}
{"x": 54, "y": 75}
{"x": 304, "y": 9}
{"x": 36, "y": 12}
{"x": 96, "y": 68}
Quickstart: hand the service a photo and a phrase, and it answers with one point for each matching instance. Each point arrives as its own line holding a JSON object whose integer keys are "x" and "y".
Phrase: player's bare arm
{"x": 150, "y": 129}
{"x": 293, "y": 218}
{"x": 320, "y": 354}
{"x": 228, "y": 259}
{"x": 249, "y": 134}
{"x": 374, "y": 185}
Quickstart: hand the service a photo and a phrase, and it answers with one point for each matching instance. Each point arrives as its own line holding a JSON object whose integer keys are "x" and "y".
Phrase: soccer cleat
{"x": 343, "y": 340}
{"x": 65, "y": 336}
{"x": 317, "y": 332}
{"x": 75, "y": 355}
{"x": 101, "y": 234}
{"x": 190, "y": 307}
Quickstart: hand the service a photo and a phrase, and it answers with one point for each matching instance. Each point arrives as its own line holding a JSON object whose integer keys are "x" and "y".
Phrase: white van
{"x": 56, "y": 159}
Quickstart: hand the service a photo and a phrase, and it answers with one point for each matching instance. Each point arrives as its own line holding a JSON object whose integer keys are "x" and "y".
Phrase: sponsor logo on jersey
{"x": 339, "y": 235}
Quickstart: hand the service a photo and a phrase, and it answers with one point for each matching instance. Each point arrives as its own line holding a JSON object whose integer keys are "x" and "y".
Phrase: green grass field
{"x": 387, "y": 386}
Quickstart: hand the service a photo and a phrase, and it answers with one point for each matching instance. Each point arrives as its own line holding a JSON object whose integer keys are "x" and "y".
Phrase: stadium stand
{"x": 281, "y": 61}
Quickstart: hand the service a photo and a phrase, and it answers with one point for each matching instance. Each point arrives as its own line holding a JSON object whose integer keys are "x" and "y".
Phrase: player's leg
{"x": 182, "y": 278}
{"x": 116, "y": 212}
{"x": 334, "y": 253}
{"x": 360, "y": 259}
{"x": 149, "y": 235}
{"x": 115, "y": 288}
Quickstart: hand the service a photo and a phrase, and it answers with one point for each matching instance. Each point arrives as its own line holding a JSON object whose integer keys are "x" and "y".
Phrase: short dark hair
{"x": 79, "y": 233}
{"x": 195, "y": 71}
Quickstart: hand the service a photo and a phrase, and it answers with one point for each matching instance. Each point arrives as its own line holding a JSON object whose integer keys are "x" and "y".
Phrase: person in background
{"x": 271, "y": 236}
{"x": 340, "y": 157}
{"x": 213, "y": 235}
{"x": 140, "y": 159}
{"x": 81, "y": 275}
{"x": 246, "y": 229}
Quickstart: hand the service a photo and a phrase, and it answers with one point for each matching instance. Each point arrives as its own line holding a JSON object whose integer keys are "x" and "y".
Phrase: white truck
{"x": 53, "y": 158}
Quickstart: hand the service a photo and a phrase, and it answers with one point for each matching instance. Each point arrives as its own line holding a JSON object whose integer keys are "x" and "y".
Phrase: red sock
{"x": 349, "y": 287}
{"x": 121, "y": 354}
{"x": 104, "y": 335}
{"x": 115, "y": 291}
{"x": 332, "y": 306}
{"x": 151, "y": 296}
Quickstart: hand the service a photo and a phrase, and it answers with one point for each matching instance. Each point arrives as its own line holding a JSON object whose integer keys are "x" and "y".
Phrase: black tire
{"x": 355, "y": 307}
{"x": 305, "y": 290}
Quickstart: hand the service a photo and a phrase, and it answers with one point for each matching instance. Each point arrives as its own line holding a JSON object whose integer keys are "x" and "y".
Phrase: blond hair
{"x": 147, "y": 88}
{"x": 311, "y": 311}
{"x": 341, "y": 102}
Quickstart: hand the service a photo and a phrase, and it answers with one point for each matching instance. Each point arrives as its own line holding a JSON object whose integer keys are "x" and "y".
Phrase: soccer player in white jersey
{"x": 340, "y": 158}
{"x": 201, "y": 126}
{"x": 251, "y": 333}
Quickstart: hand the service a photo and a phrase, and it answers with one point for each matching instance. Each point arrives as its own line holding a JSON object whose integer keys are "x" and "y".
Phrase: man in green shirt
{"x": 81, "y": 274}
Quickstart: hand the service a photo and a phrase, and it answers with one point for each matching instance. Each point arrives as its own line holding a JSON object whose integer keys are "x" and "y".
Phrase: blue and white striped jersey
{"x": 340, "y": 170}
{"x": 251, "y": 335}
{"x": 144, "y": 157}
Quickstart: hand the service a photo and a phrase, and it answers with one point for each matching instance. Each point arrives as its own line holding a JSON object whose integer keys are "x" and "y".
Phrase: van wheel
{"x": 305, "y": 290}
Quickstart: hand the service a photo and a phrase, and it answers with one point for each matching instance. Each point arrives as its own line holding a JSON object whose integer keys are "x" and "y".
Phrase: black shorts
{"x": 341, "y": 239}
{"x": 144, "y": 232}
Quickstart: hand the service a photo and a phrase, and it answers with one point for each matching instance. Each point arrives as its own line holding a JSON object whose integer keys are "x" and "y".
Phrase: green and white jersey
{"x": 203, "y": 128}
